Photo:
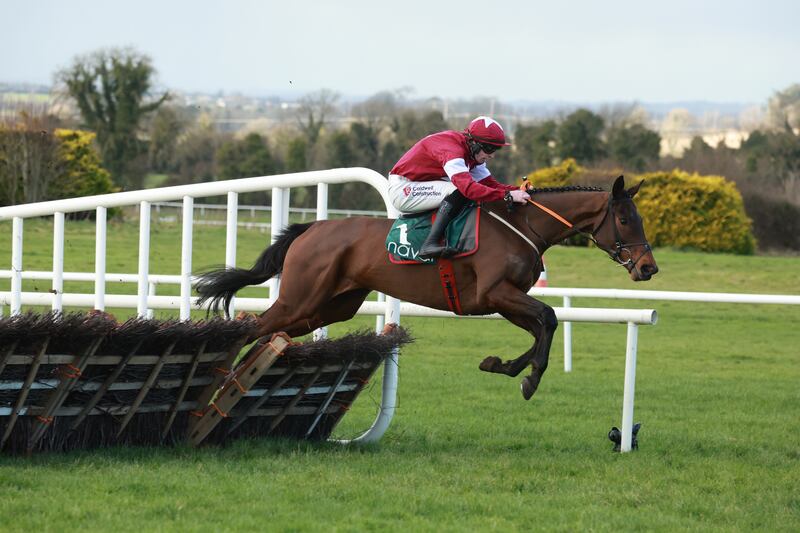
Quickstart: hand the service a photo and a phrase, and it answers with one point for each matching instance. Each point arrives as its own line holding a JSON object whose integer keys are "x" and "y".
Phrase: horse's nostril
{"x": 649, "y": 269}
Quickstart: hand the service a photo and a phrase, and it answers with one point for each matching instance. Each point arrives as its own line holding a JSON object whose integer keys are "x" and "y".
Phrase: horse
{"x": 329, "y": 267}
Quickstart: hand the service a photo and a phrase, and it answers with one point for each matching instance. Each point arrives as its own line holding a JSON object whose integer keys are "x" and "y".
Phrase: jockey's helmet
{"x": 486, "y": 130}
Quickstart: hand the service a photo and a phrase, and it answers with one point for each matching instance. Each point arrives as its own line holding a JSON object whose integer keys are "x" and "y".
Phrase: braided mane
{"x": 568, "y": 188}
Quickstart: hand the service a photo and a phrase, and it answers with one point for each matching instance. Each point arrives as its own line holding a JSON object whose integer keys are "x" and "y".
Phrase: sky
{"x": 512, "y": 50}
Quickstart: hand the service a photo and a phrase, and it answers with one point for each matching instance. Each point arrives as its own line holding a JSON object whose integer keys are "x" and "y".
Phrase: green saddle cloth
{"x": 408, "y": 232}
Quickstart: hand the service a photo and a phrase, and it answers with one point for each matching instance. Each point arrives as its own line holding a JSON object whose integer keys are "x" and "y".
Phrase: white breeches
{"x": 417, "y": 196}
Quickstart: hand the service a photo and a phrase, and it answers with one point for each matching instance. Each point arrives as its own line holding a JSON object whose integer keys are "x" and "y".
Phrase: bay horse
{"x": 329, "y": 267}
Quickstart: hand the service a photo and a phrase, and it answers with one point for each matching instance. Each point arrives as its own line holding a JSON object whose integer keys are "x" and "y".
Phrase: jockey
{"x": 445, "y": 170}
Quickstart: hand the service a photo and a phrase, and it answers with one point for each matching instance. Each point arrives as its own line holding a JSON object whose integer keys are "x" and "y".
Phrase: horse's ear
{"x": 618, "y": 190}
{"x": 633, "y": 190}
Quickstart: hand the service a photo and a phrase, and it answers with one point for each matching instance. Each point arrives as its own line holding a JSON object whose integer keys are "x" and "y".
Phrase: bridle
{"x": 616, "y": 254}
{"x": 620, "y": 247}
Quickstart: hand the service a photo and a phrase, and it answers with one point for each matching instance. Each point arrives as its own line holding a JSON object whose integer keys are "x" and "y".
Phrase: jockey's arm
{"x": 491, "y": 182}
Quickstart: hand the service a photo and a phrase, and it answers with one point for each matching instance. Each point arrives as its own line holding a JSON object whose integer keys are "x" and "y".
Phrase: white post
{"x": 567, "y": 339}
{"x": 380, "y": 320}
{"x": 16, "y": 266}
{"x": 286, "y": 203}
{"x": 58, "y": 260}
{"x": 186, "y": 258}
{"x": 390, "y": 375}
{"x": 630, "y": 385}
{"x": 144, "y": 258}
{"x": 322, "y": 214}
{"x": 151, "y": 291}
{"x": 230, "y": 237}
{"x": 100, "y": 259}
{"x": 276, "y": 226}
{"x": 322, "y": 201}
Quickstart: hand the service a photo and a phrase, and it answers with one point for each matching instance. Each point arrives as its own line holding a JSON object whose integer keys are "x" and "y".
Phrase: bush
{"x": 82, "y": 173}
{"x": 776, "y": 223}
{"x": 566, "y": 173}
{"x": 692, "y": 211}
{"x": 679, "y": 209}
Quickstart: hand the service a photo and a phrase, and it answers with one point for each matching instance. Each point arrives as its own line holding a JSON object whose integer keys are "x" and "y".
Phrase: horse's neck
{"x": 581, "y": 210}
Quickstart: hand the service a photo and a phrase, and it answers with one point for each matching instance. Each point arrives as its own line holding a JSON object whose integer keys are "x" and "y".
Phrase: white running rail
{"x": 145, "y": 300}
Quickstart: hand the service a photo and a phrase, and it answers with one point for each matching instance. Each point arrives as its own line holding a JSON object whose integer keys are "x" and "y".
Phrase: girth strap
{"x": 448, "y": 278}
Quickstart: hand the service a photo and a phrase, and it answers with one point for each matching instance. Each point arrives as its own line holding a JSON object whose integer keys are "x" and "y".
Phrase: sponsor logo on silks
{"x": 406, "y": 251}
{"x": 407, "y": 190}
{"x": 424, "y": 190}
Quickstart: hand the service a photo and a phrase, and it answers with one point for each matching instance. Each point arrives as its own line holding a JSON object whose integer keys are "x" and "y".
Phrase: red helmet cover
{"x": 487, "y": 130}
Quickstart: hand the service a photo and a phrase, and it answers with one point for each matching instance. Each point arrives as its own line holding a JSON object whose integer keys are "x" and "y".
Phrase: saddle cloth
{"x": 408, "y": 232}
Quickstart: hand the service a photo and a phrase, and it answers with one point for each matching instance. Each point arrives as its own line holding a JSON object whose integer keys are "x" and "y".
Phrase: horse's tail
{"x": 219, "y": 285}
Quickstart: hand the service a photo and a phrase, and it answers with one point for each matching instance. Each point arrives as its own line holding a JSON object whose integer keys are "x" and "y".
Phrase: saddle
{"x": 408, "y": 232}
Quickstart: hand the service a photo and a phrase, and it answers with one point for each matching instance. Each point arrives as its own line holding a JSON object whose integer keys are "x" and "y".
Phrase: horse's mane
{"x": 568, "y": 188}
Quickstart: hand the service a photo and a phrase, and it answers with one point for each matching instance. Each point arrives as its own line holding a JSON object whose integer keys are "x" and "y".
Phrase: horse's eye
{"x": 623, "y": 220}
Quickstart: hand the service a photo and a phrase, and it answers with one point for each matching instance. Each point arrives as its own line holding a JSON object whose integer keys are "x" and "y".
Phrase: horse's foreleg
{"x": 539, "y": 320}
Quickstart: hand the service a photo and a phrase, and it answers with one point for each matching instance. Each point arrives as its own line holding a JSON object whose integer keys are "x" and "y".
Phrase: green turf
{"x": 717, "y": 392}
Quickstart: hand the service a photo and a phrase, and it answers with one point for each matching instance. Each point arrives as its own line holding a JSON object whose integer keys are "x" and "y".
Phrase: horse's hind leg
{"x": 297, "y": 321}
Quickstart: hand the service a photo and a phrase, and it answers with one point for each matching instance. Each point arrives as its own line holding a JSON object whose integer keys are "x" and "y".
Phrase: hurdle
{"x": 83, "y": 380}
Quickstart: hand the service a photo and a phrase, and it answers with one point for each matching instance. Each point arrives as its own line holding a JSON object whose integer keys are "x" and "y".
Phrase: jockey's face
{"x": 483, "y": 157}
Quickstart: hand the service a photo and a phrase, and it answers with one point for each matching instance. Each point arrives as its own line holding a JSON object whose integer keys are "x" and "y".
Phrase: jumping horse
{"x": 329, "y": 267}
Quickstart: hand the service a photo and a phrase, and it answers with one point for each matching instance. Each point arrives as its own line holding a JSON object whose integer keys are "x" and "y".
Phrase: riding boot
{"x": 449, "y": 208}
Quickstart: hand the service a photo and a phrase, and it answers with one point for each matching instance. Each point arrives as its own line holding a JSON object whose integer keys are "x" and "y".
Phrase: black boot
{"x": 448, "y": 210}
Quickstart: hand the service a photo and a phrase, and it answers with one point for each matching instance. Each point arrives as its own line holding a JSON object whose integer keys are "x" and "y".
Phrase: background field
{"x": 717, "y": 394}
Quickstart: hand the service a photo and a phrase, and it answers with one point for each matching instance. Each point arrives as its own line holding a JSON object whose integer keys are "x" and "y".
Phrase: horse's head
{"x": 621, "y": 234}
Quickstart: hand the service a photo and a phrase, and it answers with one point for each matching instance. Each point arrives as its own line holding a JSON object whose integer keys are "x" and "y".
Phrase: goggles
{"x": 489, "y": 148}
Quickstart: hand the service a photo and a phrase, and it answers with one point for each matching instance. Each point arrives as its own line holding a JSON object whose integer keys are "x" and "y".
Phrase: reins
{"x": 619, "y": 246}
{"x": 551, "y": 213}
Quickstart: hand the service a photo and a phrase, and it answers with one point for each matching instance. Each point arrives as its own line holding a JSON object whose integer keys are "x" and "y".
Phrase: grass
{"x": 717, "y": 394}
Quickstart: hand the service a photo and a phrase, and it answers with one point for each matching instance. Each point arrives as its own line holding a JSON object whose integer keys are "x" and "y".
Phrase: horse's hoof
{"x": 528, "y": 387}
{"x": 490, "y": 363}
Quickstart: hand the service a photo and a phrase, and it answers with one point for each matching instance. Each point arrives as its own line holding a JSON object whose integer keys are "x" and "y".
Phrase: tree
{"x": 113, "y": 91}
{"x": 634, "y": 146}
{"x": 534, "y": 146}
{"x": 165, "y": 130}
{"x": 315, "y": 109}
{"x": 195, "y": 154}
{"x": 245, "y": 158}
{"x": 774, "y": 157}
{"x": 29, "y": 160}
{"x": 296, "y": 155}
{"x": 579, "y": 137}
{"x": 674, "y": 128}
{"x": 340, "y": 151}
{"x": 378, "y": 109}
{"x": 409, "y": 127}
{"x": 783, "y": 109}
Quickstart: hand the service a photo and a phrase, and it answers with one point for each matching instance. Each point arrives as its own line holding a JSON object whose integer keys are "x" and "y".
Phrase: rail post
{"x": 630, "y": 386}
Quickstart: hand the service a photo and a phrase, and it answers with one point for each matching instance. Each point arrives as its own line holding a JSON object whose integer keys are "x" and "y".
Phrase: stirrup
{"x": 435, "y": 251}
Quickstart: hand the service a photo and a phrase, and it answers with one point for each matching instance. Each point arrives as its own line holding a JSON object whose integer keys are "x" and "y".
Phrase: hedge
{"x": 679, "y": 209}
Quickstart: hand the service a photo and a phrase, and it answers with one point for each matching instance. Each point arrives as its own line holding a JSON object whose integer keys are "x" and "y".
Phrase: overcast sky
{"x": 568, "y": 50}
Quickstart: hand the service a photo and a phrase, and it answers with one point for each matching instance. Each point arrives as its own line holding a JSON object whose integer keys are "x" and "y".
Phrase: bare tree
{"x": 783, "y": 109}
{"x": 29, "y": 159}
{"x": 315, "y": 109}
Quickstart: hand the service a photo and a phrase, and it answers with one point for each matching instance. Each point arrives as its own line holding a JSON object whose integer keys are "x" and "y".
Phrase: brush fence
{"x": 86, "y": 381}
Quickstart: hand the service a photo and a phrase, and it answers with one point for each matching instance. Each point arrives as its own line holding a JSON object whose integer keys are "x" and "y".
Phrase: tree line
{"x": 144, "y": 137}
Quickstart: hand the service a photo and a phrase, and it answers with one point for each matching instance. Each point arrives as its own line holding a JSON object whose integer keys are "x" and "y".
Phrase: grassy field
{"x": 717, "y": 393}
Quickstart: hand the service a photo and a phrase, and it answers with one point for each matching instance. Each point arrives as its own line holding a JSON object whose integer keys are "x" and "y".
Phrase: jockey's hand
{"x": 520, "y": 197}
